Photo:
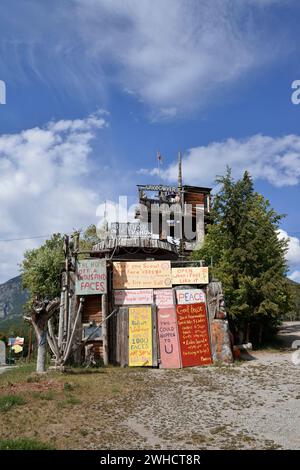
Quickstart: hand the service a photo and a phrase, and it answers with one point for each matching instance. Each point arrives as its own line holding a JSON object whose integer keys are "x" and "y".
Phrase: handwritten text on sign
{"x": 141, "y": 275}
{"x": 168, "y": 338}
{"x": 163, "y": 298}
{"x": 190, "y": 275}
{"x": 193, "y": 335}
{"x": 91, "y": 277}
{"x": 190, "y": 296}
{"x": 140, "y": 336}
{"x": 133, "y": 297}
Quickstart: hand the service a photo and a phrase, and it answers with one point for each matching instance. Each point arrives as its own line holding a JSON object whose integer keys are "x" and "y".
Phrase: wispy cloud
{"x": 174, "y": 55}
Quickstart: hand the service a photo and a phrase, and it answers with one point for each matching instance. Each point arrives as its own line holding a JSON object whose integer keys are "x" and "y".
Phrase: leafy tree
{"x": 41, "y": 268}
{"x": 248, "y": 257}
{"x": 41, "y": 275}
{"x": 89, "y": 238}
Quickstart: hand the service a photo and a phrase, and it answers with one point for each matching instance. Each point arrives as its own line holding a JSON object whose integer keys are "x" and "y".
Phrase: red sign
{"x": 193, "y": 335}
{"x": 168, "y": 338}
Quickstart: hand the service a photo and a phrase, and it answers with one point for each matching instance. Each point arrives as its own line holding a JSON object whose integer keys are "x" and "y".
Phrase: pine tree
{"x": 248, "y": 257}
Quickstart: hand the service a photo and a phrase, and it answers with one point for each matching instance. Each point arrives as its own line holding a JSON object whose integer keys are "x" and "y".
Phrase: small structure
{"x": 140, "y": 299}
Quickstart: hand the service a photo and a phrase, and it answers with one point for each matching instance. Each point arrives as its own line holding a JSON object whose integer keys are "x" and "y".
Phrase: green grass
{"x": 44, "y": 395}
{"x": 70, "y": 401}
{"x": 17, "y": 374}
{"x": 8, "y": 401}
{"x": 68, "y": 387}
{"x": 24, "y": 444}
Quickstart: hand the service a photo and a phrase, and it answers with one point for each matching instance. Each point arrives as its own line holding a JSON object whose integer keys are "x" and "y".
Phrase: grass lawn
{"x": 62, "y": 410}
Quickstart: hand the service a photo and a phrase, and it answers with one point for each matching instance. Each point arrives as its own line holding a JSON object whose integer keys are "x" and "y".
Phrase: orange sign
{"x": 190, "y": 275}
{"x": 141, "y": 275}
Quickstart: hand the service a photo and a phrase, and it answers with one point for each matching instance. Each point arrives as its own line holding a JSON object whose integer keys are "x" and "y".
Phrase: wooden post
{"x": 29, "y": 344}
{"x": 104, "y": 329}
{"x": 61, "y": 319}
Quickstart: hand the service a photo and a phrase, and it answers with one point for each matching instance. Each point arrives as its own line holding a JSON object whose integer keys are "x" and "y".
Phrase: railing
{"x": 130, "y": 230}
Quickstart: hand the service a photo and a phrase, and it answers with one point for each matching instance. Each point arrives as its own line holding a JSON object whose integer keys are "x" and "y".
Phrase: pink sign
{"x": 168, "y": 338}
{"x": 134, "y": 297}
{"x": 163, "y": 298}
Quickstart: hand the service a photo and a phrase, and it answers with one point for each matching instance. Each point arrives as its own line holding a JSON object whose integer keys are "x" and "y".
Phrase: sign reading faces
{"x": 91, "y": 277}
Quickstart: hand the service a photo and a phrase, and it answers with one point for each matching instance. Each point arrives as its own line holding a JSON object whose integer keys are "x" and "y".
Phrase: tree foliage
{"x": 248, "y": 257}
{"x": 41, "y": 268}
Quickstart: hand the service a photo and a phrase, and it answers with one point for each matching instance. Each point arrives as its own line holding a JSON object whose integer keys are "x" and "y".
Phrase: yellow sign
{"x": 17, "y": 348}
{"x": 140, "y": 336}
{"x": 190, "y": 275}
{"x": 141, "y": 275}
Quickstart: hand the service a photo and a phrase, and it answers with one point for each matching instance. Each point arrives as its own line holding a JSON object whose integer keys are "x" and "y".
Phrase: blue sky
{"x": 96, "y": 87}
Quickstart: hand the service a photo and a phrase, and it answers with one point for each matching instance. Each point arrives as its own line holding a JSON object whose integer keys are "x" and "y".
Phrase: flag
{"x": 19, "y": 341}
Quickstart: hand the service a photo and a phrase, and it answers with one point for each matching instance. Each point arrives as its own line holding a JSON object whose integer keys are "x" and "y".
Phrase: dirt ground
{"x": 253, "y": 404}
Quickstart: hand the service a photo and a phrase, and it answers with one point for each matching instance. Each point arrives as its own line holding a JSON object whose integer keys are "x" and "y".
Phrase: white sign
{"x": 190, "y": 296}
{"x": 163, "y": 298}
{"x": 91, "y": 277}
{"x": 190, "y": 275}
{"x": 133, "y": 297}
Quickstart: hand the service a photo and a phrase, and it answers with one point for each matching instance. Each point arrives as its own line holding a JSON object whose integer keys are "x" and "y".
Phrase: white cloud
{"x": 293, "y": 254}
{"x": 295, "y": 276}
{"x": 276, "y": 160}
{"x": 173, "y": 55}
{"x": 45, "y": 185}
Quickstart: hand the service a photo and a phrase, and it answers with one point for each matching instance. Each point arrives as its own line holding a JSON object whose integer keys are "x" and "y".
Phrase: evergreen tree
{"x": 248, "y": 257}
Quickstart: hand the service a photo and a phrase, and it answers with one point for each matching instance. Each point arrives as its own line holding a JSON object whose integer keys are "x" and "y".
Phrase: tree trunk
{"x": 260, "y": 333}
{"x": 41, "y": 353}
{"x": 247, "y": 335}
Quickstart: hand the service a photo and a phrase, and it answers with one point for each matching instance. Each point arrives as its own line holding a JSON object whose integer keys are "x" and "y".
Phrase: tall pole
{"x": 180, "y": 191}
{"x": 104, "y": 329}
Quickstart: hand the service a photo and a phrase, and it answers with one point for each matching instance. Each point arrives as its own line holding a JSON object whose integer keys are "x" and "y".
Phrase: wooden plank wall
{"x": 92, "y": 313}
{"x": 118, "y": 337}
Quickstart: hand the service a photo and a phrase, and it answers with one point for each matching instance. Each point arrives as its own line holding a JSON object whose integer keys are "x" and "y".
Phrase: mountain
{"x": 12, "y": 298}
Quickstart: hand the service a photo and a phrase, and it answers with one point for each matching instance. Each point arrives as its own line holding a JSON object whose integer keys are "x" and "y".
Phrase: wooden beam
{"x": 104, "y": 329}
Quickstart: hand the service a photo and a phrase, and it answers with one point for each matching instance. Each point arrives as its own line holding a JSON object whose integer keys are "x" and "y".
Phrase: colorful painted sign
{"x": 190, "y": 296}
{"x": 190, "y": 275}
{"x": 91, "y": 277}
{"x": 164, "y": 298}
{"x": 18, "y": 341}
{"x": 193, "y": 335}
{"x": 168, "y": 338}
{"x": 133, "y": 297}
{"x": 141, "y": 275}
{"x": 140, "y": 336}
{"x": 17, "y": 348}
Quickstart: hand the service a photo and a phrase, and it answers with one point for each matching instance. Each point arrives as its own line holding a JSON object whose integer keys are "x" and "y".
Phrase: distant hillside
{"x": 12, "y": 298}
